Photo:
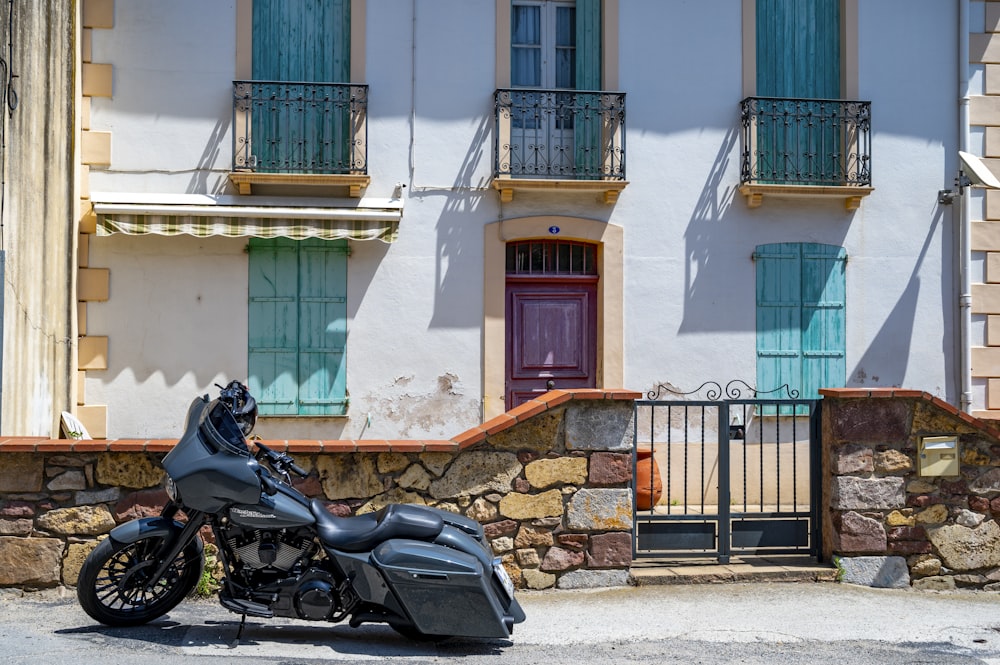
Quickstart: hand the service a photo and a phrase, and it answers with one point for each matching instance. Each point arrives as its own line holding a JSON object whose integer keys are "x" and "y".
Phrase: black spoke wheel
{"x": 113, "y": 586}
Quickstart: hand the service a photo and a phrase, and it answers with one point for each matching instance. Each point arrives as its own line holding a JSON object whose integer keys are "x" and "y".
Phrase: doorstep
{"x": 649, "y": 572}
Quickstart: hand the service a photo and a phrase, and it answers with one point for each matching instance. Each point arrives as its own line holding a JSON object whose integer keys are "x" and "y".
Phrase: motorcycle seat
{"x": 364, "y": 532}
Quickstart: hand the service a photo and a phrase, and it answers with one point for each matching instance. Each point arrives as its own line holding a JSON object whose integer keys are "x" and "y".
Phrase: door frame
{"x": 609, "y": 239}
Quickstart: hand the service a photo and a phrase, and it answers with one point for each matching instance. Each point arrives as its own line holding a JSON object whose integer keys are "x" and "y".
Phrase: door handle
{"x": 550, "y": 384}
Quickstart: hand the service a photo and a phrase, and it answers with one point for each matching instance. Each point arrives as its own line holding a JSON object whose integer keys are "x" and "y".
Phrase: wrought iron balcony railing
{"x": 559, "y": 134}
{"x": 294, "y": 127}
{"x": 823, "y": 142}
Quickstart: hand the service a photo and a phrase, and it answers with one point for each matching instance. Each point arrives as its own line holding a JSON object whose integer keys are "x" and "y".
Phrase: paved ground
{"x": 757, "y": 622}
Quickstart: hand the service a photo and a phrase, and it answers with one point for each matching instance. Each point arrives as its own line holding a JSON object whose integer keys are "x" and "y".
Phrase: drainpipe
{"x": 965, "y": 217}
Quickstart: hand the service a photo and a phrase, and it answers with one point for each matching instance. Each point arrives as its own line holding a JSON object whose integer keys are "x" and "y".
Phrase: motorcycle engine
{"x": 279, "y": 549}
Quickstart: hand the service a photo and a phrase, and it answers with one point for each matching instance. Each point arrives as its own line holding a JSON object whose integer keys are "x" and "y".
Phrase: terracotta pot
{"x": 648, "y": 484}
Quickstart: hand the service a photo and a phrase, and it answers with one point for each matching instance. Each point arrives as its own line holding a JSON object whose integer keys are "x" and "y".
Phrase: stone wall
{"x": 884, "y": 523}
{"x": 549, "y": 481}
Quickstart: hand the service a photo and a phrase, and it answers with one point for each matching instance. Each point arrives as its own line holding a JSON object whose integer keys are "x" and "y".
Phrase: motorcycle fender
{"x": 130, "y": 532}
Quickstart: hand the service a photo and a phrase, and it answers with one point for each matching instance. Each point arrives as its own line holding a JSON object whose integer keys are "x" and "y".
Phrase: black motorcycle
{"x": 425, "y": 572}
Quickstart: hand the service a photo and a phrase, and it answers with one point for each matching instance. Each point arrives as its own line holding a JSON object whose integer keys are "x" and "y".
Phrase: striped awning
{"x": 225, "y": 216}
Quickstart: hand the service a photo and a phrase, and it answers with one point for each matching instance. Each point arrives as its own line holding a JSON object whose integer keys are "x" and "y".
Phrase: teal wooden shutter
{"x": 273, "y": 326}
{"x": 798, "y": 49}
{"x": 298, "y": 326}
{"x": 801, "y": 326}
{"x": 823, "y": 318}
{"x": 322, "y": 327}
{"x": 779, "y": 315}
{"x": 588, "y": 125}
{"x": 798, "y": 57}
{"x": 302, "y": 41}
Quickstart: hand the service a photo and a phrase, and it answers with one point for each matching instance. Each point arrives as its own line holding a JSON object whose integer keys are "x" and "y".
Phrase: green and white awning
{"x": 245, "y": 216}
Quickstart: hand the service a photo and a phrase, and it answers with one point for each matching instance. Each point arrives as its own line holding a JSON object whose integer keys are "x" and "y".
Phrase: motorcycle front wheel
{"x": 113, "y": 583}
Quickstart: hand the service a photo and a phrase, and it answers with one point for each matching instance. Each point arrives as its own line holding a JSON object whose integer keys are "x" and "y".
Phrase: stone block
{"x": 78, "y": 521}
{"x": 349, "y": 476}
{"x": 96, "y": 148}
{"x": 536, "y": 579}
{"x": 501, "y": 528}
{"x": 546, "y": 473}
{"x": 610, "y": 469}
{"x": 147, "y": 503}
{"x": 884, "y": 572}
{"x": 415, "y": 478}
{"x": 436, "y": 463}
{"x": 133, "y": 470}
{"x": 853, "y": 458}
{"x": 935, "y": 583}
{"x": 22, "y": 472}
{"x": 542, "y": 434}
{"x": 610, "y": 550}
{"x": 392, "y": 462}
{"x": 857, "y": 534}
{"x": 869, "y": 421}
{"x": 559, "y": 559}
{"x": 31, "y": 562}
{"x": 76, "y": 554}
{"x": 593, "y": 579}
{"x": 530, "y": 536}
{"x": 892, "y": 461}
{"x": 599, "y": 426}
{"x": 962, "y": 548}
{"x": 600, "y": 510}
{"x": 477, "y": 472}
{"x": 853, "y": 493}
{"x": 531, "y": 506}
{"x": 16, "y": 527}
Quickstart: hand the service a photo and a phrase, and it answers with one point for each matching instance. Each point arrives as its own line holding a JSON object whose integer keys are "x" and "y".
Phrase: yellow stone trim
{"x": 93, "y": 352}
{"x": 81, "y": 387}
{"x": 95, "y": 418}
{"x": 97, "y": 79}
{"x": 985, "y": 236}
{"x": 93, "y": 284}
{"x": 986, "y": 299}
{"x": 244, "y": 181}
{"x": 984, "y": 110}
{"x": 99, "y": 14}
{"x": 83, "y": 251}
{"x": 96, "y": 148}
{"x": 607, "y": 189}
{"x": 81, "y": 319}
{"x": 852, "y": 196}
{"x": 610, "y": 290}
{"x": 86, "y": 45}
{"x": 993, "y": 267}
{"x": 993, "y": 330}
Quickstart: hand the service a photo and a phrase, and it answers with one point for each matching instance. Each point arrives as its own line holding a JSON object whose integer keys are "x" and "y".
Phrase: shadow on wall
{"x": 458, "y": 271}
{"x": 884, "y": 363}
{"x": 208, "y": 163}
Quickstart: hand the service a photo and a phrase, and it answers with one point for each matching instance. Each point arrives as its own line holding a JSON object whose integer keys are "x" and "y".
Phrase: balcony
{"x": 805, "y": 148}
{"x": 293, "y": 133}
{"x": 559, "y": 140}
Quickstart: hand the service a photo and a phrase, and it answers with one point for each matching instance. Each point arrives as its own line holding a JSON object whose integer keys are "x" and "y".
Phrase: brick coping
{"x": 470, "y": 437}
{"x": 988, "y": 426}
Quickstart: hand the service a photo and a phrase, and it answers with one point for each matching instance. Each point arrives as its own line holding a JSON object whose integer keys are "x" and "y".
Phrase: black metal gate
{"x": 737, "y": 476}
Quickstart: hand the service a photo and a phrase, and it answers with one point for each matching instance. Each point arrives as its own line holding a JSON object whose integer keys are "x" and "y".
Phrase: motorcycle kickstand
{"x": 239, "y": 634}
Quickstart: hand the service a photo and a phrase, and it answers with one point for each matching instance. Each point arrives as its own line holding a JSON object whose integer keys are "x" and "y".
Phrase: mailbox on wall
{"x": 938, "y": 456}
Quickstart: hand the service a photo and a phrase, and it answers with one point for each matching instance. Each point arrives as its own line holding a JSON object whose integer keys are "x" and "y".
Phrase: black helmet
{"x": 242, "y": 405}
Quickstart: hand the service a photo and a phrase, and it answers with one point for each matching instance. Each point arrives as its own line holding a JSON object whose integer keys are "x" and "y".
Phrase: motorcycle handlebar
{"x": 280, "y": 461}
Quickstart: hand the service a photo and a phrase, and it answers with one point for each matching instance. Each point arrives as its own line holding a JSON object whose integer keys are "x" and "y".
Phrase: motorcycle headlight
{"x": 171, "y": 489}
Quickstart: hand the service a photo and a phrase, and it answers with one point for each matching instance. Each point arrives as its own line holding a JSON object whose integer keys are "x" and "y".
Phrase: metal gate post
{"x": 816, "y": 478}
{"x": 725, "y": 527}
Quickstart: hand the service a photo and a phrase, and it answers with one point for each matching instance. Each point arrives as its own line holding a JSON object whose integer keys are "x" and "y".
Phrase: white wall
{"x": 415, "y": 307}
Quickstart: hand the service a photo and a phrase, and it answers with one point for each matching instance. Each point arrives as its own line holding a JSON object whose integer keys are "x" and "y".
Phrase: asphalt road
{"x": 725, "y": 623}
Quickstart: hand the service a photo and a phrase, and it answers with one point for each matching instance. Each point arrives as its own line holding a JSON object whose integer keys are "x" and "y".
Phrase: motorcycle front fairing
{"x": 209, "y": 476}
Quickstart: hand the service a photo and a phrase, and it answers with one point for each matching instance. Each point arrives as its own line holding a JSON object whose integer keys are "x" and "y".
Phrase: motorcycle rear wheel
{"x": 112, "y": 585}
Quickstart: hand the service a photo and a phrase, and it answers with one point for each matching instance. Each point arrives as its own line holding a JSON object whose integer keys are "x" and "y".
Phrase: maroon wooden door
{"x": 551, "y": 335}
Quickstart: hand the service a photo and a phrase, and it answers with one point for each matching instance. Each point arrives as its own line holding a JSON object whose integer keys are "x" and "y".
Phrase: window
{"x": 301, "y": 100}
{"x": 298, "y": 326}
{"x": 556, "y": 49}
{"x": 800, "y": 317}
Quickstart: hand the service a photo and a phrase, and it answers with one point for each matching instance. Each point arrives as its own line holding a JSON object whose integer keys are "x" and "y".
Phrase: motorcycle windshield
{"x": 222, "y": 432}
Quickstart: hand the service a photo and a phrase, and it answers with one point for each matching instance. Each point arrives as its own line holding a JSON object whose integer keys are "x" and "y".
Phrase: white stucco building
{"x": 563, "y": 193}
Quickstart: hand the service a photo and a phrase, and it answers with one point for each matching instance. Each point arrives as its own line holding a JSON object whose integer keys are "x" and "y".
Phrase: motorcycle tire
{"x": 112, "y": 588}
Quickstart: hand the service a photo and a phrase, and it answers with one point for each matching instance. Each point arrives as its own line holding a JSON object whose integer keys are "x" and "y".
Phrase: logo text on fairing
{"x": 252, "y": 514}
